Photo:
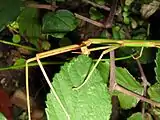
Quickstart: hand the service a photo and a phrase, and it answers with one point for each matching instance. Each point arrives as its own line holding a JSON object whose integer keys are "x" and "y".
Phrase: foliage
{"x": 136, "y": 116}
{"x": 9, "y": 9}
{"x": 93, "y": 101}
{"x": 43, "y": 28}
{"x": 157, "y": 69}
{"x": 59, "y": 23}
{"x": 2, "y": 117}
{"x": 125, "y": 79}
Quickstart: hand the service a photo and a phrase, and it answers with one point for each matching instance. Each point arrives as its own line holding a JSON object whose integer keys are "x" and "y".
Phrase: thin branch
{"x": 97, "y": 5}
{"x": 144, "y": 82}
{"x": 143, "y": 77}
{"x": 41, "y": 6}
{"x": 112, "y": 80}
{"x": 98, "y": 24}
{"x": 109, "y": 21}
{"x": 127, "y": 92}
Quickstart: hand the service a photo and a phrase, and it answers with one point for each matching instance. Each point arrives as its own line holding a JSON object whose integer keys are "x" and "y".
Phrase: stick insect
{"x": 109, "y": 45}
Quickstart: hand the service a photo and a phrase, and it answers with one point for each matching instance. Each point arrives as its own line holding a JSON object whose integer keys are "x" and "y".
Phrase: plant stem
{"x": 17, "y": 45}
{"x": 97, "y": 5}
{"x": 112, "y": 79}
{"x": 109, "y": 21}
{"x": 125, "y": 43}
{"x": 145, "y": 83}
{"x": 29, "y": 65}
{"x": 98, "y": 24}
{"x": 41, "y": 6}
{"x": 127, "y": 92}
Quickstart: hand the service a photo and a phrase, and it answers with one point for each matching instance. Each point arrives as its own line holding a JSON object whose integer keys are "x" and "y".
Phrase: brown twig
{"x": 112, "y": 80}
{"x": 41, "y": 6}
{"x": 143, "y": 77}
{"x": 127, "y": 92}
{"x": 97, "y": 5}
{"x": 98, "y": 24}
{"x": 145, "y": 84}
{"x": 108, "y": 23}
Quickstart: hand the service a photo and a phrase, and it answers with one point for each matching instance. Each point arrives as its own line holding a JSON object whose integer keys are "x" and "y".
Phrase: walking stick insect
{"x": 109, "y": 45}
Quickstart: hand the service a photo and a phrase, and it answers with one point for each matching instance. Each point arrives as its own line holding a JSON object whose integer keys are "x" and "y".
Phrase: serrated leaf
{"x": 2, "y": 117}
{"x": 157, "y": 69}
{"x": 9, "y": 10}
{"x": 153, "y": 92}
{"x": 61, "y": 21}
{"x": 91, "y": 102}
{"x": 126, "y": 80}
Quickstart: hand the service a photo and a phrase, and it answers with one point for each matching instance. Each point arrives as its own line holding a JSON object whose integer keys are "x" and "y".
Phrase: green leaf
{"x": 156, "y": 111}
{"x": 46, "y": 45}
{"x": 147, "y": 55}
{"x": 58, "y": 35}
{"x": 103, "y": 68}
{"x": 126, "y": 80}
{"x": 9, "y": 10}
{"x": 28, "y": 23}
{"x": 61, "y": 21}
{"x": 91, "y": 102}
{"x": 153, "y": 92}
{"x": 100, "y": 2}
{"x": 20, "y": 61}
{"x": 126, "y": 20}
{"x": 105, "y": 34}
{"x": 157, "y": 69}
{"x": 139, "y": 116}
{"x": 16, "y": 38}
{"x": 115, "y": 31}
{"x": 64, "y": 42}
{"x": 135, "y": 116}
{"x": 95, "y": 14}
{"x": 2, "y": 117}
{"x": 50, "y": 1}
